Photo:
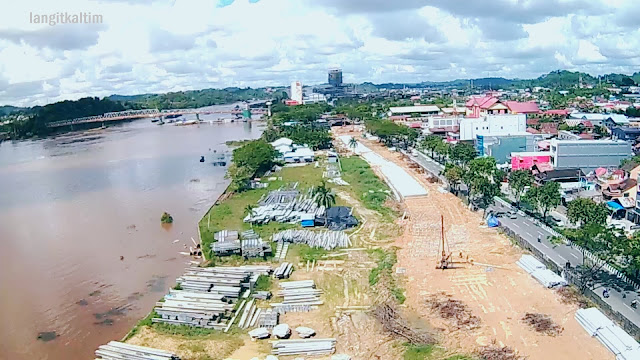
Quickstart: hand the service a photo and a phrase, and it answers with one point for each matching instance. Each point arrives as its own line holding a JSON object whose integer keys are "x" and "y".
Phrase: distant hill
{"x": 8, "y": 109}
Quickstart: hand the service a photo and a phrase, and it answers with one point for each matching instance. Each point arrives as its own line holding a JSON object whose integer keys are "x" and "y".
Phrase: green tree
{"x": 254, "y": 157}
{"x": 323, "y": 196}
{"x": 443, "y": 149}
{"x": 586, "y": 211}
{"x": 607, "y": 244}
{"x": 544, "y": 198}
{"x": 462, "y": 153}
{"x": 453, "y": 174}
{"x": 483, "y": 180}
{"x": 430, "y": 142}
{"x": 353, "y": 143}
{"x": 519, "y": 180}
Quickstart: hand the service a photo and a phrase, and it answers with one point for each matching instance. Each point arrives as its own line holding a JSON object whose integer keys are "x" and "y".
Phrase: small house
{"x": 299, "y": 155}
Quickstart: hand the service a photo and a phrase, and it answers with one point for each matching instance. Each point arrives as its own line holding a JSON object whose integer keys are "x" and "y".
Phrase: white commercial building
{"x": 296, "y": 91}
{"x": 588, "y": 154}
{"x": 493, "y": 125}
{"x": 314, "y": 98}
{"x": 420, "y": 110}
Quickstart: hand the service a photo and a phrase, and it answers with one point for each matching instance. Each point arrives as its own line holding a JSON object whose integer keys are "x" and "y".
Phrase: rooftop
{"x": 414, "y": 109}
{"x": 528, "y": 107}
{"x": 531, "y": 153}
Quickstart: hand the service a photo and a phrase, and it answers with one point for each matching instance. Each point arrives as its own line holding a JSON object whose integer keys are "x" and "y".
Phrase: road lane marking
{"x": 543, "y": 244}
{"x": 516, "y": 225}
{"x": 574, "y": 255}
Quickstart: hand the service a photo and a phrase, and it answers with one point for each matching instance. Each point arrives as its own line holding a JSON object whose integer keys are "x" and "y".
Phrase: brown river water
{"x": 72, "y": 205}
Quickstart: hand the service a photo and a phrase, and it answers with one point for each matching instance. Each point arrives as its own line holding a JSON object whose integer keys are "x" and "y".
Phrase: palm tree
{"x": 353, "y": 143}
{"x": 250, "y": 210}
{"x": 323, "y": 196}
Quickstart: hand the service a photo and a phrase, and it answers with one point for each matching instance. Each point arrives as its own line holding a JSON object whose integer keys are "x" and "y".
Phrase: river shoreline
{"x": 100, "y": 190}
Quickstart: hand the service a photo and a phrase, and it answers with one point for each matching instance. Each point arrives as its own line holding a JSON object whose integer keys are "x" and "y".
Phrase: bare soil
{"x": 495, "y": 289}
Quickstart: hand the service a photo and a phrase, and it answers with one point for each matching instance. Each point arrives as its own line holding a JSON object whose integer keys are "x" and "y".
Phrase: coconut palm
{"x": 353, "y": 143}
{"x": 250, "y": 210}
{"x": 324, "y": 197}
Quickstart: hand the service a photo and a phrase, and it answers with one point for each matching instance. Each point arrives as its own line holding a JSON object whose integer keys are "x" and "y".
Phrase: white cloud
{"x": 168, "y": 45}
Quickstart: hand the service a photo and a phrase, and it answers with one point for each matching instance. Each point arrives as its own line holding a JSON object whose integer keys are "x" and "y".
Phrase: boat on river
{"x": 186, "y": 122}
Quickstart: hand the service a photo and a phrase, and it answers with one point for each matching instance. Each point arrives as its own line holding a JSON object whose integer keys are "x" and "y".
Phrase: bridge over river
{"x": 151, "y": 113}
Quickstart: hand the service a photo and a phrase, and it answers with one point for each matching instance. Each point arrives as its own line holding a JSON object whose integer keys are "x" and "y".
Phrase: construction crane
{"x": 445, "y": 259}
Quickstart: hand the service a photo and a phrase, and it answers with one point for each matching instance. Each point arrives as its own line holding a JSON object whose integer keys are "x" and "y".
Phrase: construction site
{"x": 436, "y": 276}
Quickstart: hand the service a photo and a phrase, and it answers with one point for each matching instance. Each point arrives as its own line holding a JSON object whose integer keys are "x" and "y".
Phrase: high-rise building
{"x": 296, "y": 91}
{"x": 335, "y": 77}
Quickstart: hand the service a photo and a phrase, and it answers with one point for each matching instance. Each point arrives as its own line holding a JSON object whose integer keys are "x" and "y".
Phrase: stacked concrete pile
{"x": 621, "y": 344}
{"x": 298, "y": 296}
{"x": 540, "y": 272}
{"x": 308, "y": 347}
{"x": 285, "y": 206}
{"x": 207, "y": 295}
{"x": 327, "y": 240}
{"x": 115, "y": 350}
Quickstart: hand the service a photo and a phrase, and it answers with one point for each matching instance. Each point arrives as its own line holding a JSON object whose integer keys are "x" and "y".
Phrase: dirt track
{"x": 499, "y": 294}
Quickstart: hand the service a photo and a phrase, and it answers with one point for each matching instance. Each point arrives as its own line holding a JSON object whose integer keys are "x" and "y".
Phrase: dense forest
{"x": 90, "y": 106}
{"x": 189, "y": 99}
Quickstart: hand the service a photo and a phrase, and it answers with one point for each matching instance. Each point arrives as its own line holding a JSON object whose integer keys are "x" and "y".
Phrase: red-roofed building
{"x": 478, "y": 106}
{"x": 560, "y": 112}
{"x": 533, "y": 122}
{"x": 516, "y": 107}
{"x": 533, "y": 131}
{"x": 549, "y": 128}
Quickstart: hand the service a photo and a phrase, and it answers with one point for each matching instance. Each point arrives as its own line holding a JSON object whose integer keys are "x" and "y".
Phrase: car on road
{"x": 498, "y": 214}
{"x": 555, "y": 221}
{"x": 512, "y": 215}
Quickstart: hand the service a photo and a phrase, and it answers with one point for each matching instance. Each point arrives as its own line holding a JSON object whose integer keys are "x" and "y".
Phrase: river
{"x": 71, "y": 206}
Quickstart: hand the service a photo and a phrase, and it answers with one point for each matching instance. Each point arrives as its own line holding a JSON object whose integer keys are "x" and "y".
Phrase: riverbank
{"x": 98, "y": 196}
{"x": 355, "y": 282}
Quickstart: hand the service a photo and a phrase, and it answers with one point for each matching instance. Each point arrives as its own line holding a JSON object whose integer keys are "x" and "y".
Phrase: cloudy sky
{"x": 155, "y": 46}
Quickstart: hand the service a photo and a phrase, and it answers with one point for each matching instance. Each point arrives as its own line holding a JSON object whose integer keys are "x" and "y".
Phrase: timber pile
{"x": 207, "y": 296}
{"x": 281, "y": 251}
{"x": 393, "y": 323}
{"x": 298, "y": 296}
{"x": 115, "y": 350}
{"x": 285, "y": 206}
{"x": 327, "y": 240}
{"x": 457, "y": 312}
{"x": 309, "y": 347}
{"x": 283, "y": 271}
{"x": 542, "y": 323}
{"x": 496, "y": 352}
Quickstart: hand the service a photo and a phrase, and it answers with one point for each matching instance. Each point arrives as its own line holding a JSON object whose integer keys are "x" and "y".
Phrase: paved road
{"x": 560, "y": 254}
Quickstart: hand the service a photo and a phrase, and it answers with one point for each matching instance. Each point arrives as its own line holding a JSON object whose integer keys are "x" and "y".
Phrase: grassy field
{"x": 366, "y": 186}
{"x": 229, "y": 214}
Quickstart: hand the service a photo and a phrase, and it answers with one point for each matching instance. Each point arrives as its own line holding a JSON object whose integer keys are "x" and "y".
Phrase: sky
{"x": 158, "y": 46}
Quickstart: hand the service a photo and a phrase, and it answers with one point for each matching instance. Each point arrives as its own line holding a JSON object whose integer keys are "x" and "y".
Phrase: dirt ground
{"x": 495, "y": 289}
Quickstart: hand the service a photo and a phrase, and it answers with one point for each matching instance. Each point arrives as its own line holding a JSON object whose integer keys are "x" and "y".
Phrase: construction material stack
{"x": 308, "y": 347}
{"x": 115, "y": 350}
{"x": 327, "y": 240}
{"x": 298, "y": 296}
{"x": 283, "y": 271}
{"x": 621, "y": 344}
{"x": 253, "y": 246}
{"x": 285, "y": 205}
{"x": 540, "y": 272}
{"x": 207, "y": 295}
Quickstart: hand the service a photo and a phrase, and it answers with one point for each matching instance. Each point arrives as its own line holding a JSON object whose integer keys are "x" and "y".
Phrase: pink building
{"x": 526, "y": 160}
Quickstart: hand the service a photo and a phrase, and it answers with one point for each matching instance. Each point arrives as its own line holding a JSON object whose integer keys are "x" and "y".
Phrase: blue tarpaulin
{"x": 492, "y": 221}
{"x": 614, "y": 205}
